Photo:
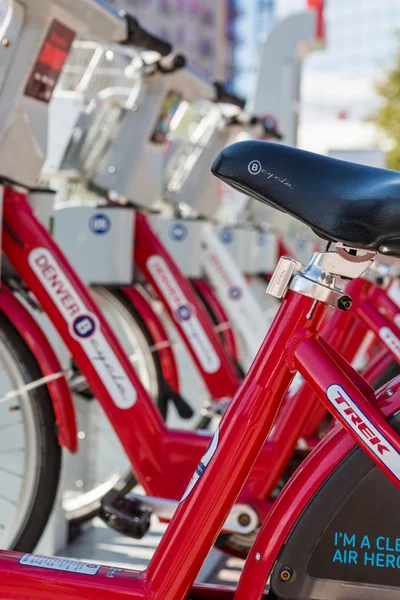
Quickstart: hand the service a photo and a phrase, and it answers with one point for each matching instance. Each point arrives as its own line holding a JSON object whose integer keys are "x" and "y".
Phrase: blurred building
{"x": 255, "y": 17}
{"x": 203, "y": 30}
{"x": 338, "y": 88}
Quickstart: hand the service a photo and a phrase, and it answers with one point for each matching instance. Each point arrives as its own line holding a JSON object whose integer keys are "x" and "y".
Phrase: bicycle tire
{"x": 48, "y": 464}
{"x": 387, "y": 375}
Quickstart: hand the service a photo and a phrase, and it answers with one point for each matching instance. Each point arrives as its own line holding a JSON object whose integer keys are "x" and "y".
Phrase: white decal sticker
{"x": 84, "y": 327}
{"x": 397, "y": 320}
{"x": 184, "y": 313}
{"x": 231, "y": 287}
{"x": 364, "y": 429}
{"x": 390, "y": 339}
{"x": 211, "y": 450}
{"x": 59, "y": 564}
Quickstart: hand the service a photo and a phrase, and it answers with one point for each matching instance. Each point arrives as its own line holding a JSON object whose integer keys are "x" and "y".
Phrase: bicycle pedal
{"x": 126, "y": 514}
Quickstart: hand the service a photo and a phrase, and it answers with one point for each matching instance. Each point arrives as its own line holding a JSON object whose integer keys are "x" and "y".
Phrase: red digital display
{"x": 50, "y": 62}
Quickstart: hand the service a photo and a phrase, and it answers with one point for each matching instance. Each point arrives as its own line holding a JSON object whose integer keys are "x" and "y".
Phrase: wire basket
{"x": 184, "y": 153}
{"x": 91, "y": 137}
{"x": 100, "y": 73}
{"x": 92, "y": 67}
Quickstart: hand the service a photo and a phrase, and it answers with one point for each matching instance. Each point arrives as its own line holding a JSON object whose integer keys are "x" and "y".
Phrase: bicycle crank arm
{"x": 241, "y": 519}
{"x": 130, "y": 514}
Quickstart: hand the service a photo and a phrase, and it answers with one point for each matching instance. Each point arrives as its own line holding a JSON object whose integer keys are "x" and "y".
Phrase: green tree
{"x": 387, "y": 117}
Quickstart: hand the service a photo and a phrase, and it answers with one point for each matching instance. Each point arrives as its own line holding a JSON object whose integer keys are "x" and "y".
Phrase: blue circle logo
{"x": 100, "y": 223}
{"x": 184, "y": 313}
{"x": 178, "y": 232}
{"x": 301, "y": 244}
{"x": 226, "y": 235}
{"x": 235, "y": 293}
{"x": 84, "y": 326}
{"x": 262, "y": 239}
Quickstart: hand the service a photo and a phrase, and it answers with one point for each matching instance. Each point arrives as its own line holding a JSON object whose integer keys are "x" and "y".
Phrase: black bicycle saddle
{"x": 341, "y": 201}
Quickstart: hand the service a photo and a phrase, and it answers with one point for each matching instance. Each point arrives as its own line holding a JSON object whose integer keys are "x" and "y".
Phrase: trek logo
{"x": 203, "y": 464}
{"x": 390, "y": 339}
{"x": 184, "y": 314}
{"x": 364, "y": 429}
{"x": 84, "y": 327}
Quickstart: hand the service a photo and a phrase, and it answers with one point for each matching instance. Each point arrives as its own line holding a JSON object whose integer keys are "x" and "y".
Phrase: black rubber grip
{"x": 172, "y": 63}
{"x": 141, "y": 38}
{"x": 222, "y": 95}
{"x": 271, "y": 127}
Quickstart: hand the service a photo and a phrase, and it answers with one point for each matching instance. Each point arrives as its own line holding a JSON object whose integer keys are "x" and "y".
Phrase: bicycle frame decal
{"x": 84, "y": 327}
{"x": 391, "y": 340}
{"x": 59, "y": 564}
{"x": 184, "y": 313}
{"x": 362, "y": 426}
{"x": 232, "y": 288}
{"x": 211, "y": 450}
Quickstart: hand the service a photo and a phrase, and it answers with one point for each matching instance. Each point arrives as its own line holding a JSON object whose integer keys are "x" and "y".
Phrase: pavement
{"x": 98, "y": 543}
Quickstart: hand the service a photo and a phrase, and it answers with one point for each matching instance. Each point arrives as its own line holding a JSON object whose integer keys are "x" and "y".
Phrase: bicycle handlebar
{"x": 137, "y": 36}
{"x": 267, "y": 123}
{"x": 222, "y": 95}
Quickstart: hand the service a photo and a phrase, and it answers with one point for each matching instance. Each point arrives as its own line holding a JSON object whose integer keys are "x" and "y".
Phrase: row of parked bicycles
{"x": 292, "y": 463}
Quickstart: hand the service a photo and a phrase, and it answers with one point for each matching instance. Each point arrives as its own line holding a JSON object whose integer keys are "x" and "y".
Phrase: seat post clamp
{"x": 317, "y": 280}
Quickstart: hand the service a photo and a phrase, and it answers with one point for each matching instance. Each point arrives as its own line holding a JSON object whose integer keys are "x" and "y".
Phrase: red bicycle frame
{"x": 372, "y": 310}
{"x": 50, "y": 367}
{"x": 163, "y": 459}
{"x": 186, "y": 311}
{"x": 158, "y": 333}
{"x": 292, "y": 343}
{"x": 222, "y": 320}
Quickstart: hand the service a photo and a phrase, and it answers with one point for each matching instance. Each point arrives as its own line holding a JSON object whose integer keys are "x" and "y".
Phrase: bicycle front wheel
{"x": 30, "y": 456}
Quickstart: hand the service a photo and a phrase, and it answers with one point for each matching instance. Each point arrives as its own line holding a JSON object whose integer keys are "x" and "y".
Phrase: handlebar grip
{"x": 143, "y": 39}
{"x": 222, "y": 95}
{"x": 171, "y": 63}
{"x": 270, "y": 126}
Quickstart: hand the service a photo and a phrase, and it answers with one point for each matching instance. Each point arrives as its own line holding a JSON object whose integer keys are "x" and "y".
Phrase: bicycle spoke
{"x": 9, "y": 472}
{"x": 8, "y": 500}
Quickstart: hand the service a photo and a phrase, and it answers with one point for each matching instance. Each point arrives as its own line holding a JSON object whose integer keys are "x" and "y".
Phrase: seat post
{"x": 318, "y": 279}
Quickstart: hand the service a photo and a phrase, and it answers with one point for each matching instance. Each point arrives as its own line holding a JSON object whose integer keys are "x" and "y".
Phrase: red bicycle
{"x": 331, "y": 532}
{"x": 42, "y": 410}
{"x": 162, "y": 459}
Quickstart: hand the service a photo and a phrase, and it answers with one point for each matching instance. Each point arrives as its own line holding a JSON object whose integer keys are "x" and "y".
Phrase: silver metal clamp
{"x": 317, "y": 280}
